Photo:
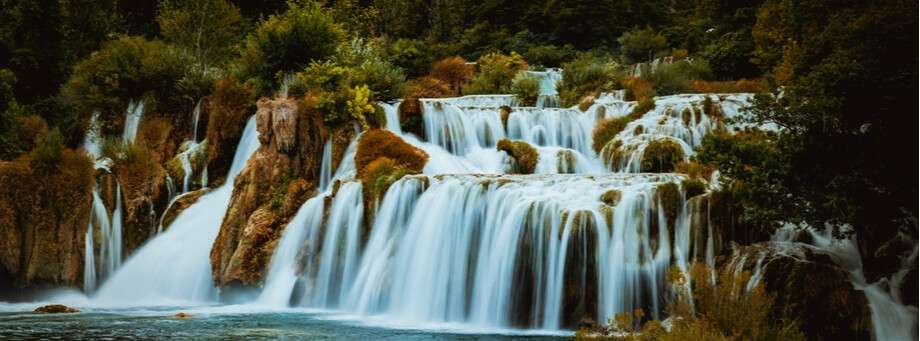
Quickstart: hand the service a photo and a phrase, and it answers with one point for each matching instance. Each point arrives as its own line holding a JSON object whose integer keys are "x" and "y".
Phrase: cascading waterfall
{"x": 175, "y": 266}
{"x": 476, "y": 249}
{"x": 195, "y": 114}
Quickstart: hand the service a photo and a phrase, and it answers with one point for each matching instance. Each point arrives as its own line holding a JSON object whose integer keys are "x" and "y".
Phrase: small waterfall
{"x": 110, "y": 249}
{"x": 195, "y": 115}
{"x": 392, "y": 114}
{"x": 92, "y": 141}
{"x": 325, "y": 173}
{"x": 175, "y": 265}
{"x": 132, "y": 120}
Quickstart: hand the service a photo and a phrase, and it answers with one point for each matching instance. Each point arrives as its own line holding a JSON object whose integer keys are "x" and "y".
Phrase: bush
{"x": 526, "y": 88}
{"x": 639, "y": 45}
{"x": 495, "y": 74}
{"x": 692, "y": 187}
{"x": 288, "y": 42}
{"x": 546, "y": 55}
{"x": 525, "y": 154}
{"x": 377, "y": 143}
{"x": 642, "y": 108}
{"x": 48, "y": 152}
{"x": 410, "y": 55}
{"x": 675, "y": 77}
{"x": 743, "y": 85}
{"x": 427, "y": 87}
{"x": 229, "y": 106}
{"x": 638, "y": 89}
{"x": 587, "y": 74}
{"x": 606, "y": 130}
{"x": 661, "y": 156}
{"x": 128, "y": 69}
{"x": 455, "y": 71}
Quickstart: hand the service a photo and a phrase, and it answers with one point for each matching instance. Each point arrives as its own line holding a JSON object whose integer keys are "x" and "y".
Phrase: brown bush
{"x": 377, "y": 143}
{"x": 455, "y": 71}
{"x": 427, "y": 87}
{"x": 154, "y": 134}
{"x": 524, "y": 153}
{"x": 638, "y": 89}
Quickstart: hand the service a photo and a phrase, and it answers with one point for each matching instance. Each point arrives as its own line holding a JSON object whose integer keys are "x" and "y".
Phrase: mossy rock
{"x": 524, "y": 153}
{"x": 55, "y": 309}
{"x": 410, "y": 117}
{"x": 505, "y": 112}
{"x": 661, "y": 156}
{"x": 377, "y": 143}
{"x": 606, "y": 130}
{"x": 693, "y": 187}
{"x": 612, "y": 197}
{"x": 181, "y": 315}
{"x": 565, "y": 162}
{"x": 180, "y": 205}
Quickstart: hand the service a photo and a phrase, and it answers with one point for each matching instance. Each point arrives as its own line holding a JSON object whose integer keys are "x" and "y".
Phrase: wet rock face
{"x": 43, "y": 219}
{"x": 810, "y": 288}
{"x": 278, "y": 178}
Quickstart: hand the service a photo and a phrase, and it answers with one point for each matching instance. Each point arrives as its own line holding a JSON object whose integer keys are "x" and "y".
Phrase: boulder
{"x": 55, "y": 309}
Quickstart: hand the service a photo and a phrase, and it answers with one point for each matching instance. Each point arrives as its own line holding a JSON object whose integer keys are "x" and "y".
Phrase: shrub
{"x": 495, "y": 74}
{"x": 695, "y": 169}
{"x": 377, "y": 143}
{"x": 229, "y": 106}
{"x": 427, "y": 87}
{"x": 675, "y": 77}
{"x": 526, "y": 88}
{"x": 642, "y": 108}
{"x": 524, "y": 153}
{"x": 661, "y": 156}
{"x": 546, "y": 55}
{"x": 287, "y": 42}
{"x": 692, "y": 187}
{"x": 743, "y": 85}
{"x": 205, "y": 28}
{"x": 455, "y": 71}
{"x": 606, "y": 130}
{"x": 587, "y": 74}
{"x": 124, "y": 70}
{"x": 638, "y": 88}
{"x": 48, "y": 152}
{"x": 639, "y": 45}
{"x": 410, "y": 55}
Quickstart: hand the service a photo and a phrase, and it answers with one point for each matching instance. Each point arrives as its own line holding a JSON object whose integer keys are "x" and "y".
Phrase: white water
{"x": 195, "y": 114}
{"x": 175, "y": 265}
{"x": 132, "y": 120}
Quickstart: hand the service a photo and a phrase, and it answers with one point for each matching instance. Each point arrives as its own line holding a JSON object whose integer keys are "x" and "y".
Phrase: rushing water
{"x": 462, "y": 248}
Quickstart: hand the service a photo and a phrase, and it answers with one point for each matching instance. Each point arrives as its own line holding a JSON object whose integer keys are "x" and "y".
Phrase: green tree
{"x": 846, "y": 158}
{"x": 289, "y": 41}
{"x": 206, "y": 29}
{"x": 641, "y": 45}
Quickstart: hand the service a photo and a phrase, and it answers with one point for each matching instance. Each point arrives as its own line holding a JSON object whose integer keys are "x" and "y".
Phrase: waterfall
{"x": 175, "y": 265}
{"x": 325, "y": 173}
{"x": 92, "y": 141}
{"x": 392, "y": 114}
{"x": 132, "y": 120}
{"x": 467, "y": 247}
{"x": 195, "y": 114}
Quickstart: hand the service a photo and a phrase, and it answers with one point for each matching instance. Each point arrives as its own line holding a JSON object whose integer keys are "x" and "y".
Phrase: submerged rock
{"x": 181, "y": 315}
{"x": 55, "y": 309}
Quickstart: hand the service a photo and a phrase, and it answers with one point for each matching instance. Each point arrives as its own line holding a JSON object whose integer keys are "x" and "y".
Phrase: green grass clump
{"x": 661, "y": 156}
{"x": 606, "y": 130}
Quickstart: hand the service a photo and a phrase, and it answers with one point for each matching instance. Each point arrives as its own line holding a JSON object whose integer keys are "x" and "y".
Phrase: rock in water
{"x": 181, "y": 315}
{"x": 55, "y": 309}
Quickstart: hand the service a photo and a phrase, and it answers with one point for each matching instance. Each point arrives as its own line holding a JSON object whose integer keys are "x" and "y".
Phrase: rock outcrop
{"x": 44, "y": 212}
{"x": 809, "y": 286}
{"x": 55, "y": 309}
{"x": 281, "y": 175}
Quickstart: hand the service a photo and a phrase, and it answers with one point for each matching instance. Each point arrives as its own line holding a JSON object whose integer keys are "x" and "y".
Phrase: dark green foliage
{"x": 413, "y": 56}
{"x": 130, "y": 68}
{"x": 206, "y": 29}
{"x": 48, "y": 152}
{"x": 692, "y": 187}
{"x": 670, "y": 201}
{"x": 589, "y": 73}
{"x": 674, "y": 78}
{"x": 641, "y": 45}
{"x": 544, "y": 55}
{"x": 288, "y": 42}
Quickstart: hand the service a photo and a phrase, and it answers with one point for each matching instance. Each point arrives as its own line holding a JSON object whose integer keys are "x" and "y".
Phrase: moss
{"x": 642, "y": 107}
{"x": 692, "y": 187}
{"x": 712, "y": 109}
{"x": 505, "y": 112}
{"x": 686, "y": 116}
{"x": 377, "y": 143}
{"x": 524, "y": 153}
{"x": 661, "y": 156}
{"x": 612, "y": 197}
{"x": 638, "y": 130}
{"x": 669, "y": 196}
{"x": 606, "y": 130}
{"x": 586, "y": 102}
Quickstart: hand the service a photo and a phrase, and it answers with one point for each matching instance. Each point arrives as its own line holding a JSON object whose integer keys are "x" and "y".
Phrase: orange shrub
{"x": 741, "y": 86}
{"x": 377, "y": 143}
{"x": 427, "y": 87}
{"x": 454, "y": 71}
{"x": 638, "y": 89}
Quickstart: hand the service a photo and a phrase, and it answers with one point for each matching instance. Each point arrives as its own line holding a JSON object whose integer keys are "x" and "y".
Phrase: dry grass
{"x": 377, "y": 143}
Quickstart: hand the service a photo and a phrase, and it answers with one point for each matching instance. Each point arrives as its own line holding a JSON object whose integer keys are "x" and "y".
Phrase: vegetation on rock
{"x": 525, "y": 154}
